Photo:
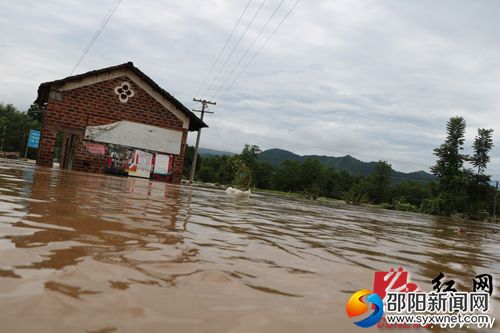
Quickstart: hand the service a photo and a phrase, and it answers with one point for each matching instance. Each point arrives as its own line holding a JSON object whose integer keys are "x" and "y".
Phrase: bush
{"x": 355, "y": 196}
{"x": 440, "y": 205}
{"x": 405, "y": 207}
{"x": 401, "y": 206}
{"x": 311, "y": 192}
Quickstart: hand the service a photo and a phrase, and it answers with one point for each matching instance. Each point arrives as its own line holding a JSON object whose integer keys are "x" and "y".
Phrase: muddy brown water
{"x": 94, "y": 253}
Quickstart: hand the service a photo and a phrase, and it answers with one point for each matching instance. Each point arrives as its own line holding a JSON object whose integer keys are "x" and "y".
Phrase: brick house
{"x": 114, "y": 120}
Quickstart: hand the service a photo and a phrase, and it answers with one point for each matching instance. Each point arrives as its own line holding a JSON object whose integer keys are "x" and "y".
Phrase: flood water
{"x": 94, "y": 253}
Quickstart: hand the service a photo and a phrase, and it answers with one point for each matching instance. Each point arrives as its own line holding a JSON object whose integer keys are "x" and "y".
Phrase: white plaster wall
{"x": 137, "y": 135}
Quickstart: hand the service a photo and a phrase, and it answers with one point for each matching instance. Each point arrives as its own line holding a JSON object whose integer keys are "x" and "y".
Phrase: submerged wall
{"x": 70, "y": 112}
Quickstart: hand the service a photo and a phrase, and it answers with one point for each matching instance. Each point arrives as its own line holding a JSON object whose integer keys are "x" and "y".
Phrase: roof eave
{"x": 44, "y": 89}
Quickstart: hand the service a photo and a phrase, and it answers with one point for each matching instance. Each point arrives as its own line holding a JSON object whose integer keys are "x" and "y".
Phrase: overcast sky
{"x": 374, "y": 79}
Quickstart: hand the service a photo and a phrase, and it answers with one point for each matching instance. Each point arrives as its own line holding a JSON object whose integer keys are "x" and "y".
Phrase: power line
{"x": 100, "y": 28}
{"x": 260, "y": 48}
{"x": 235, "y": 46}
{"x": 218, "y": 134}
{"x": 223, "y": 48}
{"x": 249, "y": 48}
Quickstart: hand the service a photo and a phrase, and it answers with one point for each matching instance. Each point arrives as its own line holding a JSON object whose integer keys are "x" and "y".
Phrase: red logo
{"x": 392, "y": 281}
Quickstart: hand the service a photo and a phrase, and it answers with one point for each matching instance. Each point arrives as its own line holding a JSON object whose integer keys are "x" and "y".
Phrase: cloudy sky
{"x": 374, "y": 79}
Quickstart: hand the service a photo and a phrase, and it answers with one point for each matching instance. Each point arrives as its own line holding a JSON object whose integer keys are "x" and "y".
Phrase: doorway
{"x": 58, "y": 148}
{"x": 69, "y": 152}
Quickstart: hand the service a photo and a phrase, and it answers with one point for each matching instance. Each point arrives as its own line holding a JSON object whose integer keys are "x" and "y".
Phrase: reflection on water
{"x": 93, "y": 253}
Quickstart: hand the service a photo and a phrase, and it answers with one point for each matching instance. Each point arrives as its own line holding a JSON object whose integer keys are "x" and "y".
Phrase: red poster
{"x": 95, "y": 148}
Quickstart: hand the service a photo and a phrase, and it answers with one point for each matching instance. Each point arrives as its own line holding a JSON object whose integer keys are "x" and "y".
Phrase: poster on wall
{"x": 95, "y": 148}
{"x": 140, "y": 165}
{"x": 117, "y": 160}
{"x": 163, "y": 165}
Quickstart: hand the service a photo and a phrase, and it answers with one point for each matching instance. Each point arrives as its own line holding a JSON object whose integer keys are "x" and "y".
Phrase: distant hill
{"x": 213, "y": 152}
{"x": 346, "y": 163}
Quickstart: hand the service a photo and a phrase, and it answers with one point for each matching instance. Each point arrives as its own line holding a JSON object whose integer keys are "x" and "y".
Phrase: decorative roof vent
{"x": 124, "y": 92}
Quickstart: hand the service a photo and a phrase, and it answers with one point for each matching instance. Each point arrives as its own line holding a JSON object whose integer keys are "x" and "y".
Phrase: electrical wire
{"x": 235, "y": 46}
{"x": 425, "y": 166}
{"x": 99, "y": 30}
{"x": 260, "y": 48}
{"x": 223, "y": 48}
{"x": 217, "y": 132}
{"x": 248, "y": 48}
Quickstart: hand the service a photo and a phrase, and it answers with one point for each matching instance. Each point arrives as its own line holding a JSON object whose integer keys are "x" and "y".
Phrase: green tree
{"x": 249, "y": 155}
{"x": 17, "y": 125}
{"x": 479, "y": 191}
{"x": 311, "y": 178}
{"x": 336, "y": 183}
{"x": 483, "y": 143}
{"x": 411, "y": 192}
{"x": 450, "y": 159}
{"x": 449, "y": 167}
{"x": 379, "y": 182}
{"x": 263, "y": 175}
{"x": 286, "y": 177}
{"x": 216, "y": 169}
{"x": 35, "y": 112}
{"x": 357, "y": 193}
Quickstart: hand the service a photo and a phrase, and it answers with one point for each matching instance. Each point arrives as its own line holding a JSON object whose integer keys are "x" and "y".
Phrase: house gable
{"x": 55, "y": 89}
{"x": 126, "y": 75}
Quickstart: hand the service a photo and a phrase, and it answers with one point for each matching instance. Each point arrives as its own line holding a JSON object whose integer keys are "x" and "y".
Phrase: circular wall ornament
{"x": 124, "y": 92}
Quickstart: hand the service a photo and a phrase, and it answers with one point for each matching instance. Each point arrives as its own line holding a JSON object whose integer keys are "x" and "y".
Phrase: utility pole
{"x": 3, "y": 137}
{"x": 495, "y": 202}
{"x": 204, "y": 106}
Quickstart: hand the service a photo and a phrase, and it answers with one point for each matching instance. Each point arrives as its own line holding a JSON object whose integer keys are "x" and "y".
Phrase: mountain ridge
{"x": 352, "y": 165}
{"x": 213, "y": 152}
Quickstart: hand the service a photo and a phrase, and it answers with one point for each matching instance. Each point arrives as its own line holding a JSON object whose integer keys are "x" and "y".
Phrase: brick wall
{"x": 46, "y": 148}
{"x": 97, "y": 104}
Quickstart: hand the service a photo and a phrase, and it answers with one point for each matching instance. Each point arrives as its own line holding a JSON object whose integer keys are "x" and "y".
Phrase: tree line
{"x": 461, "y": 186}
{"x": 14, "y": 128}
